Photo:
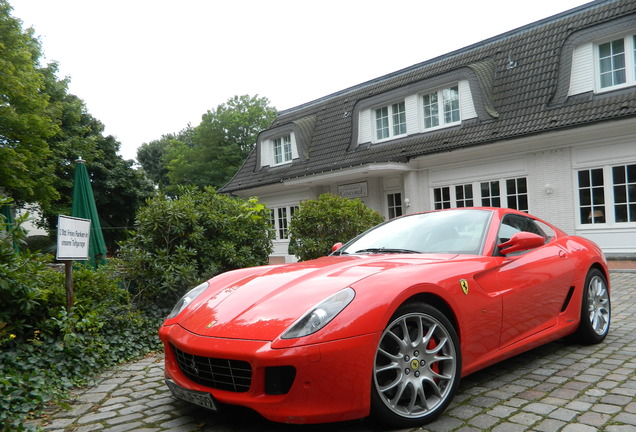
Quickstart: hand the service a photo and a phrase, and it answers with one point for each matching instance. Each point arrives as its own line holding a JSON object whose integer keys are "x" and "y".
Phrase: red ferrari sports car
{"x": 389, "y": 322}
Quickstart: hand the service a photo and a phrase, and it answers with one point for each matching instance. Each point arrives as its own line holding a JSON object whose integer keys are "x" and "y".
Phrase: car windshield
{"x": 449, "y": 231}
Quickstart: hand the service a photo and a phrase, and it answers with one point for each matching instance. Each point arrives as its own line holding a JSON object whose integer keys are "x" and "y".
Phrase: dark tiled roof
{"x": 528, "y": 98}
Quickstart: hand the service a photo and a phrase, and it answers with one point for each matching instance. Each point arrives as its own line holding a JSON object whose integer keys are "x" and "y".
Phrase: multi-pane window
{"x": 431, "y": 111}
{"x": 441, "y": 198}
{"x": 517, "y": 193}
{"x": 451, "y": 105}
{"x": 399, "y": 118}
{"x": 624, "y": 181}
{"x": 444, "y": 101}
{"x": 282, "y": 150}
{"x": 390, "y": 121}
{"x": 382, "y": 123}
{"x": 394, "y": 205}
{"x": 611, "y": 58}
{"x": 592, "y": 196}
{"x": 490, "y": 194}
{"x": 511, "y": 192}
{"x": 607, "y": 194}
{"x": 617, "y": 63}
{"x": 280, "y": 218}
{"x": 464, "y": 195}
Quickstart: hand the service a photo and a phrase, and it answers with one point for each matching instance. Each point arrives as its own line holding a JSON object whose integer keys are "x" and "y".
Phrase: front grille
{"x": 222, "y": 374}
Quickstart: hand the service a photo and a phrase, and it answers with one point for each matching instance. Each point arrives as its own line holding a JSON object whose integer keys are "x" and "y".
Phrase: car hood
{"x": 261, "y": 303}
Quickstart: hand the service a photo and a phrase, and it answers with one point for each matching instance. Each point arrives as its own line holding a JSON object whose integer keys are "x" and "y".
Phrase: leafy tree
{"x": 319, "y": 224}
{"x": 26, "y": 122}
{"x": 219, "y": 144}
{"x": 180, "y": 242}
{"x": 119, "y": 188}
{"x": 153, "y": 155}
{"x": 44, "y": 129}
{"x": 236, "y": 124}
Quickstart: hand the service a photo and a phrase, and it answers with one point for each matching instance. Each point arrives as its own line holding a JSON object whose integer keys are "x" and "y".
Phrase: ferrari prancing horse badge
{"x": 464, "y": 284}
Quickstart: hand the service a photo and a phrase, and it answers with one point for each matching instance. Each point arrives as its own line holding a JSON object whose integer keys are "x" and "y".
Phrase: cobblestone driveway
{"x": 558, "y": 387}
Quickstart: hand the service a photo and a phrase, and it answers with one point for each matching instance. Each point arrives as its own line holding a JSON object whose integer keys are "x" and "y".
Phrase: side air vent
{"x": 567, "y": 299}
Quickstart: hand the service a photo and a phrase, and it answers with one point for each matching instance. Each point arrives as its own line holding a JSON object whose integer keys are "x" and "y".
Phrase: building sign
{"x": 353, "y": 190}
{"x": 73, "y": 235}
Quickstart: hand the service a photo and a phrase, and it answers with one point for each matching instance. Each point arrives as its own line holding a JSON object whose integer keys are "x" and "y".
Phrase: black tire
{"x": 595, "y": 310}
{"x": 417, "y": 367}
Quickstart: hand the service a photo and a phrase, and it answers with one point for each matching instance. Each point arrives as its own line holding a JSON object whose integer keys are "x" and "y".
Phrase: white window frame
{"x": 441, "y": 105}
{"x": 280, "y": 217}
{"x": 608, "y": 207}
{"x": 395, "y": 204}
{"x": 450, "y": 198}
{"x": 392, "y": 122}
{"x": 629, "y": 63}
{"x": 464, "y": 199}
{"x": 282, "y": 150}
{"x": 412, "y": 118}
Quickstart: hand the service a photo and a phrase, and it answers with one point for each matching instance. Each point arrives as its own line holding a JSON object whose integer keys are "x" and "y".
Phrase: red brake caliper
{"x": 432, "y": 344}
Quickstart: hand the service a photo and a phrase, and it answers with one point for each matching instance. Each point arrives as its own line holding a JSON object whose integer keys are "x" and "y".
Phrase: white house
{"x": 542, "y": 119}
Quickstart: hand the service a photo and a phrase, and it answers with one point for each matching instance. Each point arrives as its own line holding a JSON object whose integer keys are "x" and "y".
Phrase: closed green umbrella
{"x": 8, "y": 217}
{"x": 84, "y": 207}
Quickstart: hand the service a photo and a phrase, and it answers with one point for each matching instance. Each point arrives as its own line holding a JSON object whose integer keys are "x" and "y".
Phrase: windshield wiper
{"x": 385, "y": 250}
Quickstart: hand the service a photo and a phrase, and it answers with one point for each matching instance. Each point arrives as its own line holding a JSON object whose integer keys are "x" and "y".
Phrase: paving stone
{"x": 539, "y": 408}
{"x": 575, "y": 427}
{"x": 549, "y": 425}
{"x": 593, "y": 418}
{"x": 563, "y": 414}
{"x": 94, "y": 417}
{"x": 626, "y": 418}
{"x": 483, "y": 421}
{"x": 524, "y": 418}
{"x": 509, "y": 427}
{"x": 124, "y": 418}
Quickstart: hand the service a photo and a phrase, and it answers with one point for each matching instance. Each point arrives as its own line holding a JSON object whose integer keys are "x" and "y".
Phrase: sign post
{"x": 73, "y": 236}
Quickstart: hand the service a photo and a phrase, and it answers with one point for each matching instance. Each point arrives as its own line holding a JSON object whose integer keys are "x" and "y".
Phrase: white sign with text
{"x": 73, "y": 235}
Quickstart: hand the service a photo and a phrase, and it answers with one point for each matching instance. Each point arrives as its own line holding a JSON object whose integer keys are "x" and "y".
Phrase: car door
{"x": 534, "y": 284}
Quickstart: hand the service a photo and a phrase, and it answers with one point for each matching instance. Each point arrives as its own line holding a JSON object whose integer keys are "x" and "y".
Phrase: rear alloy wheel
{"x": 417, "y": 367}
{"x": 595, "y": 309}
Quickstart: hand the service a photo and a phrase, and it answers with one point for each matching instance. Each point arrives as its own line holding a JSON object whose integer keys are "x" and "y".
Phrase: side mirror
{"x": 336, "y": 247}
{"x": 521, "y": 241}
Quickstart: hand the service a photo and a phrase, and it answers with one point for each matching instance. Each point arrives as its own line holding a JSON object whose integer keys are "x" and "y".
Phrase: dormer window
{"x": 600, "y": 60}
{"x": 277, "y": 149}
{"x": 282, "y": 150}
{"x": 422, "y": 108}
{"x": 390, "y": 121}
{"x": 446, "y": 102}
{"x": 616, "y": 63}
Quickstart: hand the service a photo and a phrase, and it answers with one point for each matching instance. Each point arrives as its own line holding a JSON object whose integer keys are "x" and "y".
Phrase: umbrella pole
{"x": 69, "y": 285}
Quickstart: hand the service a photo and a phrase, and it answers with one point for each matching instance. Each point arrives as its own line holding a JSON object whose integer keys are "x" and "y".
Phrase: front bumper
{"x": 332, "y": 380}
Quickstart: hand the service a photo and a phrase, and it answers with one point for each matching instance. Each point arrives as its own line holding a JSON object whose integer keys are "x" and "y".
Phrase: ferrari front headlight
{"x": 187, "y": 299}
{"x": 320, "y": 315}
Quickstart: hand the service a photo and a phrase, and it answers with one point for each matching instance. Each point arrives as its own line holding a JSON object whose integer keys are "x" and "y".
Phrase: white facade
{"x": 550, "y": 164}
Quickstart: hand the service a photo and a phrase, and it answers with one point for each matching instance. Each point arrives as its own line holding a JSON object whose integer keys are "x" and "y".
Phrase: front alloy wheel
{"x": 417, "y": 367}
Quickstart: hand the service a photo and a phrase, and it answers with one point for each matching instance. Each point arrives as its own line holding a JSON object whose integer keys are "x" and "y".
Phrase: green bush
{"x": 177, "y": 243}
{"x": 44, "y": 367}
{"x": 20, "y": 277}
{"x": 318, "y": 224}
{"x": 44, "y": 349}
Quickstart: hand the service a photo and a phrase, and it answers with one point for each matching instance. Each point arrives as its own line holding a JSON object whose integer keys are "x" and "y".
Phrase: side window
{"x": 513, "y": 224}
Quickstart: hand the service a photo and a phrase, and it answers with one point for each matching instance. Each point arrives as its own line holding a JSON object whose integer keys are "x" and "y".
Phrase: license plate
{"x": 194, "y": 397}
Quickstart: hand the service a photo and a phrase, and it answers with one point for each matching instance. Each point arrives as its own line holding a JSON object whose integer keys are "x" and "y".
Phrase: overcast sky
{"x": 146, "y": 68}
